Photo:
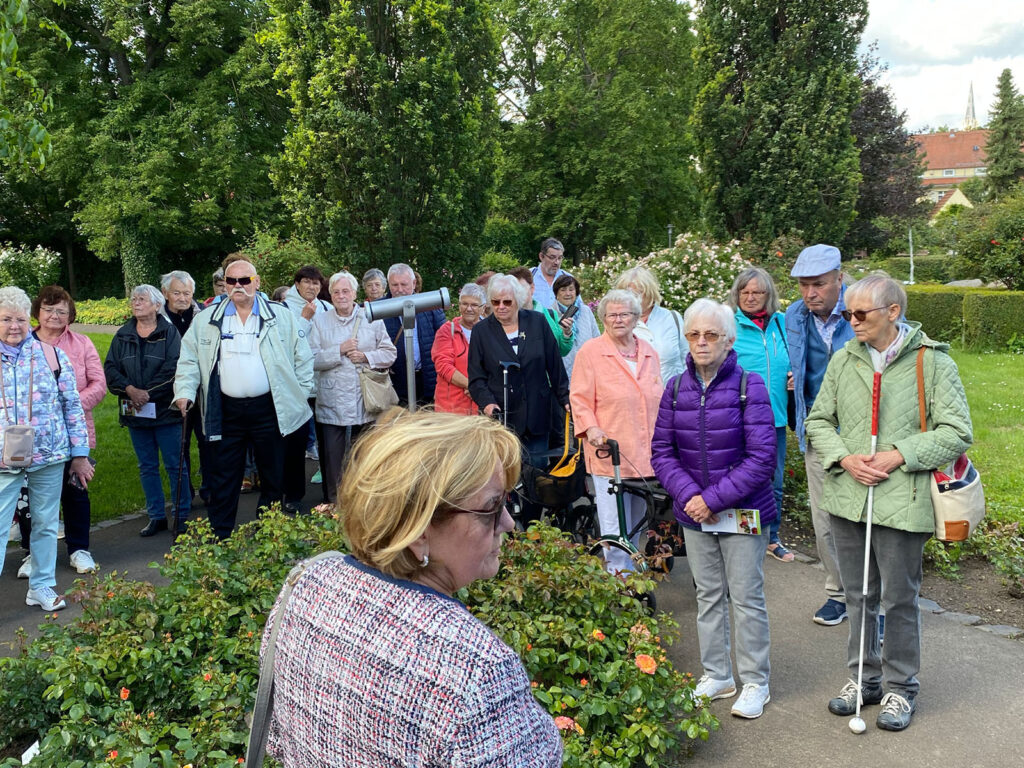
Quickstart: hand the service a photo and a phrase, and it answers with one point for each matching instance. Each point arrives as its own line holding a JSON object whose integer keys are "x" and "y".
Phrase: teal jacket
{"x": 564, "y": 342}
{"x": 766, "y": 354}
{"x": 839, "y": 424}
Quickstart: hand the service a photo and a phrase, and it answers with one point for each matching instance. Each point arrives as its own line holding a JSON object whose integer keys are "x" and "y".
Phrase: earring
{"x": 425, "y": 561}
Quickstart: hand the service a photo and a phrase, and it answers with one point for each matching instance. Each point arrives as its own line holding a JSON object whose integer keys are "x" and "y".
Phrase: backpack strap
{"x": 743, "y": 391}
{"x": 675, "y": 390}
{"x": 920, "y": 389}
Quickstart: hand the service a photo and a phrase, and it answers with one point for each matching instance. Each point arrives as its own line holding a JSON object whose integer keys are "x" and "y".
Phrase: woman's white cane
{"x": 856, "y": 723}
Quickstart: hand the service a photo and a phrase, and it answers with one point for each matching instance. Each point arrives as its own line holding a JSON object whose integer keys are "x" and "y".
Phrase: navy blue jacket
{"x": 427, "y": 324}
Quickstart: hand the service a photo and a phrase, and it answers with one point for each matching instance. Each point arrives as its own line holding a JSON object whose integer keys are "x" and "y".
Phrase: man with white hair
{"x": 249, "y": 368}
{"x": 402, "y": 282}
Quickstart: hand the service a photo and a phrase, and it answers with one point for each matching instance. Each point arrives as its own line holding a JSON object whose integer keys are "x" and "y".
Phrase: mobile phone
{"x": 570, "y": 312}
{"x": 73, "y": 479}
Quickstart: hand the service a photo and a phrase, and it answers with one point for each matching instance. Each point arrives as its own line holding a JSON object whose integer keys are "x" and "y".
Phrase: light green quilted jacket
{"x": 839, "y": 424}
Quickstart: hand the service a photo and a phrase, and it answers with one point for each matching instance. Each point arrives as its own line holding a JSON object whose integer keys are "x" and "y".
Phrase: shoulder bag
{"x": 376, "y": 387}
{"x": 18, "y": 438}
{"x": 957, "y": 495}
{"x": 261, "y": 711}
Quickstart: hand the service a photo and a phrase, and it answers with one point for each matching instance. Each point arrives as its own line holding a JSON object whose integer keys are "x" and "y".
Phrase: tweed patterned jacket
{"x": 375, "y": 672}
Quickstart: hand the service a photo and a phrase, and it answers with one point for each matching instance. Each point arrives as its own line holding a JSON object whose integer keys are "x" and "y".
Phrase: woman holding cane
{"x": 878, "y": 499}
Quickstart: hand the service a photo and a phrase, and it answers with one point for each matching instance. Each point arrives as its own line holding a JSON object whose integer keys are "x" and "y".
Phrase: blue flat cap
{"x": 816, "y": 260}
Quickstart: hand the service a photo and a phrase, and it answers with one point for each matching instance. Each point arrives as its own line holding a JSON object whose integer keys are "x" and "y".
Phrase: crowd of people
{"x": 700, "y": 401}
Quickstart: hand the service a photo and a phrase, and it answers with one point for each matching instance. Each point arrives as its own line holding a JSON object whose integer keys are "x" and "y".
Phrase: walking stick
{"x": 181, "y": 473}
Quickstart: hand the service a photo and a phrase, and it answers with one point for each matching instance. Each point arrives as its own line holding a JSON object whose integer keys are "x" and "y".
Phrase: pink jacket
{"x": 605, "y": 393}
{"x": 91, "y": 383}
{"x": 450, "y": 353}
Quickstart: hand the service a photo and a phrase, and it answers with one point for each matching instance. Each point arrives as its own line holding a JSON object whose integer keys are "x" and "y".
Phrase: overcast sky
{"x": 935, "y": 49}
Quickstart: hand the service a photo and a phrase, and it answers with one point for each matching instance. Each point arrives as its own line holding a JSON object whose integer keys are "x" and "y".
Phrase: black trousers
{"x": 246, "y": 421}
{"x": 334, "y": 448}
{"x": 295, "y": 461}
{"x": 194, "y": 426}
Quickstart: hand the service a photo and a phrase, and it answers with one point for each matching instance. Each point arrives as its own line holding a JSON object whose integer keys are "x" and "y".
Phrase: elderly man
{"x": 402, "y": 282}
{"x": 181, "y": 308}
{"x": 549, "y": 269}
{"x": 246, "y": 364}
{"x": 815, "y": 329}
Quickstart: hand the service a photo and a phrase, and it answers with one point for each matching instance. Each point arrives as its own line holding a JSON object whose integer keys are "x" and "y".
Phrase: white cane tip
{"x": 857, "y": 725}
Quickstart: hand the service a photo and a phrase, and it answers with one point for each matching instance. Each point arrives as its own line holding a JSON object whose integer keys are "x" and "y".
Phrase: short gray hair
{"x": 474, "y": 290}
{"x": 375, "y": 274}
{"x": 218, "y": 274}
{"x": 500, "y": 283}
{"x": 394, "y": 269}
{"x": 749, "y": 274}
{"x": 724, "y": 317}
{"x": 181, "y": 276}
{"x": 619, "y": 296}
{"x": 12, "y": 297}
{"x": 343, "y": 275}
{"x": 151, "y": 293}
{"x": 882, "y": 291}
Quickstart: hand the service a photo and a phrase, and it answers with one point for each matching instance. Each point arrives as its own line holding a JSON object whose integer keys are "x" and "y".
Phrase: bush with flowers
{"x": 694, "y": 267}
{"x": 164, "y": 676}
{"x": 28, "y": 268}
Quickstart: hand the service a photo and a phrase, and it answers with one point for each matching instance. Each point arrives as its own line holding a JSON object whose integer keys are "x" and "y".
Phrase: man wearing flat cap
{"x": 814, "y": 330}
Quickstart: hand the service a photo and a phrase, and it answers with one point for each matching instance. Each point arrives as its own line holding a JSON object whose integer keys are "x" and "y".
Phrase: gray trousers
{"x": 822, "y": 522}
{"x": 729, "y": 568}
{"x": 894, "y": 582}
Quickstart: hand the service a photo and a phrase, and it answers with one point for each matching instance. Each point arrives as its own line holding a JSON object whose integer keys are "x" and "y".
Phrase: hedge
{"x": 980, "y": 318}
{"x": 111, "y": 311}
{"x": 928, "y": 269}
{"x": 938, "y": 308}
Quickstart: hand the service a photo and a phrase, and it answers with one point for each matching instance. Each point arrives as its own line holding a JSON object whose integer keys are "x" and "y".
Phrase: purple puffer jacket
{"x": 705, "y": 446}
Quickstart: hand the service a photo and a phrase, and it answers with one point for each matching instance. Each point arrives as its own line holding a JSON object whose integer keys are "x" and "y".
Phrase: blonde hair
{"x": 645, "y": 282}
{"x": 403, "y": 474}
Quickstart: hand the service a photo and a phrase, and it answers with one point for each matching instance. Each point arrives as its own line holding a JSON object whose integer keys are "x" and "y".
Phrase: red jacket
{"x": 450, "y": 353}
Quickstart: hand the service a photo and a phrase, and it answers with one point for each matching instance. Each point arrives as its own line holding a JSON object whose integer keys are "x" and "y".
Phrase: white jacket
{"x": 339, "y": 400}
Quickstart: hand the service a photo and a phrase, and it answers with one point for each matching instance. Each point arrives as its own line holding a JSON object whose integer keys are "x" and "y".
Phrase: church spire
{"x": 970, "y": 121}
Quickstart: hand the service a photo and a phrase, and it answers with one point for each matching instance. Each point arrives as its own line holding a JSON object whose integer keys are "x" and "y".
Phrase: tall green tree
{"x": 389, "y": 154}
{"x": 890, "y": 164}
{"x": 1006, "y": 134}
{"x": 777, "y": 88}
{"x": 595, "y": 98}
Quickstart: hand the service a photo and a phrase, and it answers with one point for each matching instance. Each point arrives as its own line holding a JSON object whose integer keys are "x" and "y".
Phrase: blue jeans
{"x": 150, "y": 444}
{"x": 44, "y": 484}
{"x": 777, "y": 480}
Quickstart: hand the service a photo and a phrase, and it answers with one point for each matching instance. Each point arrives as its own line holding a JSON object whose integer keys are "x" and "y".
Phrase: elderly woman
{"x": 615, "y": 392}
{"x": 714, "y": 452}
{"x": 567, "y": 294}
{"x": 661, "y": 328}
{"x": 38, "y": 388}
{"x": 761, "y": 348}
{"x": 54, "y": 310}
{"x": 451, "y": 353}
{"x": 342, "y": 341}
{"x": 902, "y": 517}
{"x": 220, "y": 286}
{"x": 424, "y": 513}
{"x": 517, "y": 340}
{"x": 375, "y": 284}
{"x": 140, "y": 368}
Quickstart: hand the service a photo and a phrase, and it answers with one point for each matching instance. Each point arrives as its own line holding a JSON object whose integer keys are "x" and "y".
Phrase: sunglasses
{"x": 501, "y": 302}
{"x": 860, "y": 314}
{"x": 240, "y": 280}
{"x": 709, "y": 336}
{"x": 493, "y": 514}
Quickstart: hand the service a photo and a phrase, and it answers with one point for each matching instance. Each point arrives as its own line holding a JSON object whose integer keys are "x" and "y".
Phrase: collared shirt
{"x": 242, "y": 371}
{"x": 827, "y": 327}
{"x": 542, "y": 292}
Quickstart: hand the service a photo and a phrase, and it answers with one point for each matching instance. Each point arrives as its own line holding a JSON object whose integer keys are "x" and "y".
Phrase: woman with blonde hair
{"x": 424, "y": 512}
{"x": 661, "y": 328}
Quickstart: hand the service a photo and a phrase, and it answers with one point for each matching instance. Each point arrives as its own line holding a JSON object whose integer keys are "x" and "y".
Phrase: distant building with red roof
{"x": 951, "y": 158}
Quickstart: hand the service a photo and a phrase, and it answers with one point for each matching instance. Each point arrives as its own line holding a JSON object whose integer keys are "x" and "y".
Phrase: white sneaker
{"x": 82, "y": 561}
{"x": 751, "y": 702}
{"x": 716, "y": 689}
{"x": 60, "y": 530}
{"x": 45, "y": 598}
{"x": 25, "y": 572}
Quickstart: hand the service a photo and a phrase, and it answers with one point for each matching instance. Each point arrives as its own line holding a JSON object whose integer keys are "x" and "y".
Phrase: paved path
{"x": 971, "y": 707}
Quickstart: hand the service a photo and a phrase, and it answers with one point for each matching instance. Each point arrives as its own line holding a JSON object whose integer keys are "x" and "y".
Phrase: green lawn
{"x": 116, "y": 488}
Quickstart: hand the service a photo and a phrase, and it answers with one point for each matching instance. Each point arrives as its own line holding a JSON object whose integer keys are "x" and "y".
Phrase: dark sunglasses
{"x": 860, "y": 314}
{"x": 501, "y": 302}
{"x": 240, "y": 280}
{"x": 493, "y": 515}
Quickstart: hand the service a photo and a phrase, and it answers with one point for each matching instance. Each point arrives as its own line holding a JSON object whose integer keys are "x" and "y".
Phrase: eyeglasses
{"x": 619, "y": 315}
{"x": 240, "y": 280}
{"x": 494, "y": 513}
{"x": 709, "y": 336}
{"x": 555, "y": 256}
{"x": 464, "y": 305}
{"x": 860, "y": 314}
{"x": 54, "y": 311}
{"x": 502, "y": 302}
{"x": 753, "y": 294}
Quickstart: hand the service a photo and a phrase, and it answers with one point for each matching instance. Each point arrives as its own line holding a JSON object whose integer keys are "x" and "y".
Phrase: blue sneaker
{"x": 881, "y": 629}
{"x": 831, "y": 613}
